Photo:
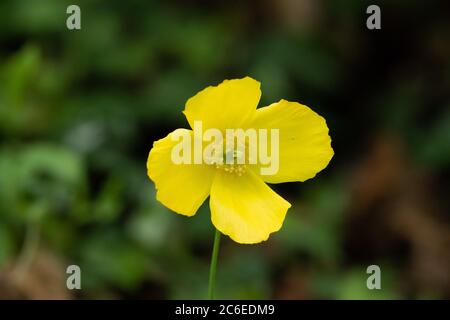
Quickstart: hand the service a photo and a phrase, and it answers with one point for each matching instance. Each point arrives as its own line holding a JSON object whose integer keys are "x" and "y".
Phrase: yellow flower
{"x": 242, "y": 205}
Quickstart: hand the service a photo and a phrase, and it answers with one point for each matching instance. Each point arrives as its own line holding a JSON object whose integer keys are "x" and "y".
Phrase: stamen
{"x": 235, "y": 155}
{"x": 238, "y": 169}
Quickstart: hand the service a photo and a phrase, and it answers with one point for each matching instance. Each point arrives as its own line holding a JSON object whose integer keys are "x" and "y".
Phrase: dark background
{"x": 79, "y": 111}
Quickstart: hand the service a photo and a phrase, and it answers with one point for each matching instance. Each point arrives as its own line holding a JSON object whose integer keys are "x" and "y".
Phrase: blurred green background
{"x": 79, "y": 111}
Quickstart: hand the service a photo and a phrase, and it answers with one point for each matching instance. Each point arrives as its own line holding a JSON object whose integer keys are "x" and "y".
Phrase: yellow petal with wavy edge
{"x": 304, "y": 143}
{"x": 231, "y": 104}
{"x": 180, "y": 187}
{"x": 245, "y": 208}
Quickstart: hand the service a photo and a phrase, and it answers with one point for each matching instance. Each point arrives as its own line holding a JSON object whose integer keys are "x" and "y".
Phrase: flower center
{"x": 231, "y": 160}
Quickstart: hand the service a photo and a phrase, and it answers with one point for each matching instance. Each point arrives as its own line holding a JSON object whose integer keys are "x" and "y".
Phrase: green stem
{"x": 213, "y": 266}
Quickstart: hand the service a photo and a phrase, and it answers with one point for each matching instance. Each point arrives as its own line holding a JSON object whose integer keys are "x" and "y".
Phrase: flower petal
{"x": 245, "y": 208}
{"x": 231, "y": 104}
{"x": 304, "y": 143}
{"x": 180, "y": 187}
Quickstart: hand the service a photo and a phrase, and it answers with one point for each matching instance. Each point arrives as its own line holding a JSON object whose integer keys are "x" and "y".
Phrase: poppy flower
{"x": 242, "y": 205}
